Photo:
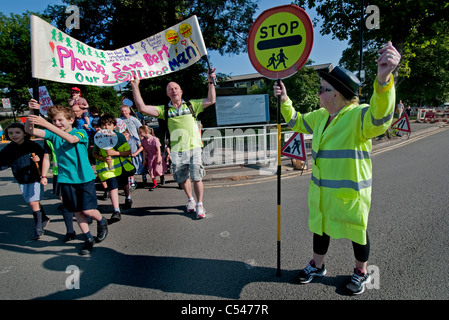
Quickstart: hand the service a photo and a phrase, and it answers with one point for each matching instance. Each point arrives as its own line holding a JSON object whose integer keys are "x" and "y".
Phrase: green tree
{"x": 15, "y": 68}
{"x": 111, "y": 24}
{"x": 410, "y": 25}
{"x": 428, "y": 83}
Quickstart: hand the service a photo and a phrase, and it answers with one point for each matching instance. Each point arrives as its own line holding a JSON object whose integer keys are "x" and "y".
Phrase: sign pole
{"x": 36, "y": 95}
{"x": 278, "y": 273}
{"x": 279, "y": 44}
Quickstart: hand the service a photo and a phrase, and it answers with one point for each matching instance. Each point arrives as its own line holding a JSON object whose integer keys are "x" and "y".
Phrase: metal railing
{"x": 244, "y": 145}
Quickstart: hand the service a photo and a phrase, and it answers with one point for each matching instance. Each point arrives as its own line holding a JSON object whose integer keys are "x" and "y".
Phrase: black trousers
{"x": 321, "y": 244}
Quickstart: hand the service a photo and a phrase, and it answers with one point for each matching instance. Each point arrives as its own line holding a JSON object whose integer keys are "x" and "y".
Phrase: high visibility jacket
{"x": 340, "y": 188}
{"x": 102, "y": 168}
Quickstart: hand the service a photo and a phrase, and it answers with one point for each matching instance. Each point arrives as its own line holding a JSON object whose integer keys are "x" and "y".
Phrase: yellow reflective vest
{"x": 339, "y": 197}
{"x": 104, "y": 172}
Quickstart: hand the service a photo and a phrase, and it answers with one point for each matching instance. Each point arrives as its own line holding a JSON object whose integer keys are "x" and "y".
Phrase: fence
{"x": 433, "y": 115}
{"x": 244, "y": 145}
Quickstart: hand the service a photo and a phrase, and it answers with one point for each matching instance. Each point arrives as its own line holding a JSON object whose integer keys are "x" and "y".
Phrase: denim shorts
{"x": 32, "y": 191}
{"x": 79, "y": 197}
{"x": 188, "y": 164}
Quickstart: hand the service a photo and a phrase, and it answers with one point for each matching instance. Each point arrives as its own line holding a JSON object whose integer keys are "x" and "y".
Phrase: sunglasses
{"x": 323, "y": 89}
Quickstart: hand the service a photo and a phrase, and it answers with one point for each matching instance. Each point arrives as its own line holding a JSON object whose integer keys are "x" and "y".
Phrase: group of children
{"x": 73, "y": 176}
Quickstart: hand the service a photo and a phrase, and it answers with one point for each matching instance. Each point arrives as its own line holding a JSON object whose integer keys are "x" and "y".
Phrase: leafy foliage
{"x": 418, "y": 29}
{"x": 111, "y": 24}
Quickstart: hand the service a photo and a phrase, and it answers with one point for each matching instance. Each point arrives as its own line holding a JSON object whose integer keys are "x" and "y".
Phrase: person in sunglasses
{"x": 339, "y": 197}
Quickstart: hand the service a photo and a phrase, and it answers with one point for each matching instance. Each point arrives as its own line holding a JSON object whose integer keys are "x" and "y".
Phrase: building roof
{"x": 253, "y": 76}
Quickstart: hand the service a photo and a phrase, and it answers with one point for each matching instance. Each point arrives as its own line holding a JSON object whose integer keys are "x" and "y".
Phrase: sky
{"x": 324, "y": 50}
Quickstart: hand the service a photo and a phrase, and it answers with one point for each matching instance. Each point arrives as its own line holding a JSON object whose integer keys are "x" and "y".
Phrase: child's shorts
{"x": 79, "y": 197}
{"x": 56, "y": 186}
{"x": 188, "y": 164}
{"x": 117, "y": 182}
{"x": 32, "y": 191}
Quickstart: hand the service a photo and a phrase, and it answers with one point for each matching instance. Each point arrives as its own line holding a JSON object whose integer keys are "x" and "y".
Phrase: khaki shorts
{"x": 188, "y": 164}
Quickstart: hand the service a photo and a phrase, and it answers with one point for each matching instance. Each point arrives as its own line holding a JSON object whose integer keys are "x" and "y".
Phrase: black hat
{"x": 343, "y": 81}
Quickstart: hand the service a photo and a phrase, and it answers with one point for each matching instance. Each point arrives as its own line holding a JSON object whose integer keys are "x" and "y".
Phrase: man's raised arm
{"x": 211, "y": 94}
{"x": 141, "y": 106}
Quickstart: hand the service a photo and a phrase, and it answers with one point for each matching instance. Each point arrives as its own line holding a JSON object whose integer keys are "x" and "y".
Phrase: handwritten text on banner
{"x": 58, "y": 57}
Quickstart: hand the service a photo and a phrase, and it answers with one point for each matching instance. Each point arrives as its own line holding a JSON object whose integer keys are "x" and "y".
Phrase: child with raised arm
{"x": 75, "y": 174}
{"x": 24, "y": 156}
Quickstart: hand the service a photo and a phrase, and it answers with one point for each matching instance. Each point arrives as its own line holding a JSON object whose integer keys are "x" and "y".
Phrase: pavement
{"x": 232, "y": 173}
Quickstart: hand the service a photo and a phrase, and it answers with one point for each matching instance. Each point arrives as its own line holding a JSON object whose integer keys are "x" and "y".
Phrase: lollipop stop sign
{"x": 279, "y": 44}
{"x": 280, "y": 41}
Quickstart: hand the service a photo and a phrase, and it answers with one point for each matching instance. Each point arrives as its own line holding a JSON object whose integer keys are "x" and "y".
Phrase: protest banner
{"x": 58, "y": 57}
{"x": 44, "y": 99}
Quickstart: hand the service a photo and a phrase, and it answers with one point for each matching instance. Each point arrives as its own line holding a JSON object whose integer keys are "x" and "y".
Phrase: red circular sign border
{"x": 301, "y": 14}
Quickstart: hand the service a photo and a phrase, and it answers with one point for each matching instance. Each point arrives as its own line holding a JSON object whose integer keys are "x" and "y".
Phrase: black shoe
{"x": 37, "y": 235}
{"x": 128, "y": 204}
{"x": 102, "y": 231}
{"x": 87, "y": 247}
{"x": 116, "y": 216}
{"x": 69, "y": 236}
{"x": 45, "y": 222}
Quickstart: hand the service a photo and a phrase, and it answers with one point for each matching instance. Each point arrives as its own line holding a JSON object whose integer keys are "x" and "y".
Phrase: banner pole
{"x": 278, "y": 273}
{"x": 36, "y": 95}
{"x": 208, "y": 66}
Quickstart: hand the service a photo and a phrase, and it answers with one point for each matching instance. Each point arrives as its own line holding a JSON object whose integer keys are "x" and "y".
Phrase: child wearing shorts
{"x": 110, "y": 164}
{"x": 50, "y": 158}
{"x": 75, "y": 175}
{"x": 24, "y": 157}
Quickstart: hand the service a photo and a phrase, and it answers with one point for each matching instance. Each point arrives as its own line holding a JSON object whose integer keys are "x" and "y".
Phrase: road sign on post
{"x": 279, "y": 44}
{"x": 295, "y": 148}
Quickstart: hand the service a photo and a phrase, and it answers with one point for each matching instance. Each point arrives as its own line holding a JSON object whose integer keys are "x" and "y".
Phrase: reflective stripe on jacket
{"x": 104, "y": 172}
{"x": 340, "y": 188}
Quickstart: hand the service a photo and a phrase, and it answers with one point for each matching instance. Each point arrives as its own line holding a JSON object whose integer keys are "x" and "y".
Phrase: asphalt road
{"x": 159, "y": 252}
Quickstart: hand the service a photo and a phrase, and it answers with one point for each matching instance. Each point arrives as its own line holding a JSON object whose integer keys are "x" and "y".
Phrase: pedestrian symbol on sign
{"x": 280, "y": 41}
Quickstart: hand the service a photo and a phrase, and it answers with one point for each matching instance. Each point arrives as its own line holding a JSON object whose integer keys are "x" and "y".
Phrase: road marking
{"x": 256, "y": 180}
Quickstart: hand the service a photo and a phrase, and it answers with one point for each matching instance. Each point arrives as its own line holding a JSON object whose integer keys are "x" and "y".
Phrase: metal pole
{"x": 278, "y": 273}
{"x": 361, "y": 45}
